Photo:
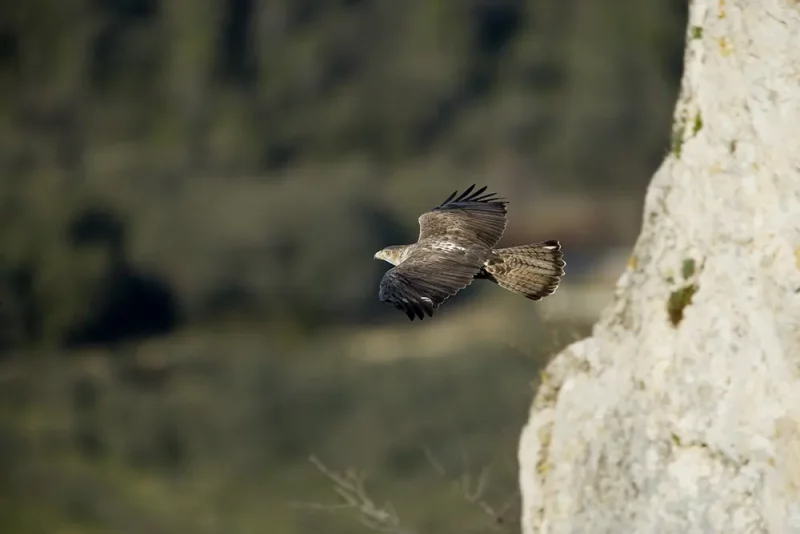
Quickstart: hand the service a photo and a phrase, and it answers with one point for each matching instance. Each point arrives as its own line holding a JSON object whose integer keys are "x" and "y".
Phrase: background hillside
{"x": 191, "y": 194}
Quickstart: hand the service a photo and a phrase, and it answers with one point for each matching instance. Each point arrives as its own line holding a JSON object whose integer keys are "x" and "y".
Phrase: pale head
{"x": 394, "y": 254}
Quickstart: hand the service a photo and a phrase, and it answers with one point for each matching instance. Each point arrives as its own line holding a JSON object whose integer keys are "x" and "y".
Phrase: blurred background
{"x": 191, "y": 193}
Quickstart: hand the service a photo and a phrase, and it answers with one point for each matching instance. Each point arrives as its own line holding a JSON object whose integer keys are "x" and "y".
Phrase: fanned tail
{"x": 533, "y": 271}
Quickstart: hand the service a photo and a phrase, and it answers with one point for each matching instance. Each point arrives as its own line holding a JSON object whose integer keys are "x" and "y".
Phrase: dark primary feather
{"x": 426, "y": 279}
{"x": 469, "y": 219}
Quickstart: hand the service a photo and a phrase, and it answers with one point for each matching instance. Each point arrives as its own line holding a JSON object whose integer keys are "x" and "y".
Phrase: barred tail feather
{"x": 533, "y": 271}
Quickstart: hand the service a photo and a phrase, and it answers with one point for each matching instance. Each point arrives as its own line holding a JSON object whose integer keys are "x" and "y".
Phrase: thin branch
{"x": 350, "y": 486}
{"x": 473, "y": 491}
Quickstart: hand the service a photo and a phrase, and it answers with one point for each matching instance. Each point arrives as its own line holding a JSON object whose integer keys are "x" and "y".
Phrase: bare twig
{"x": 350, "y": 486}
{"x": 472, "y": 490}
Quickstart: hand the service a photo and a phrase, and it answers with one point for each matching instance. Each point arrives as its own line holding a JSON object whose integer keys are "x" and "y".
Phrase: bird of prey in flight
{"x": 456, "y": 246}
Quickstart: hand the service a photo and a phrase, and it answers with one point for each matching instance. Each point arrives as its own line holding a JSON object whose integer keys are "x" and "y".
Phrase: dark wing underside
{"x": 426, "y": 279}
{"x": 472, "y": 219}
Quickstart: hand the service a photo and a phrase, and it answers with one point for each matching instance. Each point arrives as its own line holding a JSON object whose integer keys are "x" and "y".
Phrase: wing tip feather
{"x": 468, "y": 195}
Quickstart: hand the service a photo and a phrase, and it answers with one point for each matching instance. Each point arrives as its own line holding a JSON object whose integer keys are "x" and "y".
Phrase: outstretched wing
{"x": 426, "y": 279}
{"x": 472, "y": 218}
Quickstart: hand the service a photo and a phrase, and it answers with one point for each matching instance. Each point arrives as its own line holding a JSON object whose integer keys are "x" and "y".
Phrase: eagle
{"x": 456, "y": 245}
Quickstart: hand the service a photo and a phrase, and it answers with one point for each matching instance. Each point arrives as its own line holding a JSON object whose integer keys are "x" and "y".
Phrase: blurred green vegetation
{"x": 252, "y": 149}
{"x": 191, "y": 193}
{"x": 212, "y": 432}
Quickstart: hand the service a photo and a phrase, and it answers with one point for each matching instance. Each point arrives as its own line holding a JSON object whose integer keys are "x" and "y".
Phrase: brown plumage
{"x": 456, "y": 246}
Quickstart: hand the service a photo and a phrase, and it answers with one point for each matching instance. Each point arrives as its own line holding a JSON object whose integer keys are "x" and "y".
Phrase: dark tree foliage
{"x": 132, "y": 304}
{"x": 256, "y": 149}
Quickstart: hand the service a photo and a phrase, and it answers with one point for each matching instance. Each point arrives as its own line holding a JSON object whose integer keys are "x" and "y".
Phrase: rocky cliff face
{"x": 681, "y": 413}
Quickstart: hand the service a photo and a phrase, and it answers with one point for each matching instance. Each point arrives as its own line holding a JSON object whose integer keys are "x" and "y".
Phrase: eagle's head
{"x": 394, "y": 254}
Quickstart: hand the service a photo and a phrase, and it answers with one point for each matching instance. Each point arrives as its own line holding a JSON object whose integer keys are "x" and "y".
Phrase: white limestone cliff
{"x": 681, "y": 412}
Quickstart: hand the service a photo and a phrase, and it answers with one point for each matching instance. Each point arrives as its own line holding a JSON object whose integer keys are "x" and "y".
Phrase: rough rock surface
{"x": 681, "y": 413}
